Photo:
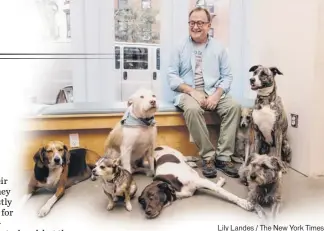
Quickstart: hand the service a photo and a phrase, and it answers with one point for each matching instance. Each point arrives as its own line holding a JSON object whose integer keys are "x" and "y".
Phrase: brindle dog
{"x": 269, "y": 117}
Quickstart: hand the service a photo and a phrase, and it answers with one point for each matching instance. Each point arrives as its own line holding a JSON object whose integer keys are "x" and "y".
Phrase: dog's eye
{"x": 102, "y": 167}
{"x": 142, "y": 97}
{"x": 248, "y": 117}
{"x": 264, "y": 166}
{"x": 49, "y": 151}
{"x": 60, "y": 150}
{"x": 141, "y": 201}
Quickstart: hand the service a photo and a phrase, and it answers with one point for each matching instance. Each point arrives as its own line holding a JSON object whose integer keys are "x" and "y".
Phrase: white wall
{"x": 317, "y": 112}
{"x": 286, "y": 34}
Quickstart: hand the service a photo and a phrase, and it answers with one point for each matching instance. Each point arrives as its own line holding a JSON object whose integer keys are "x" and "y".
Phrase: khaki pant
{"x": 229, "y": 112}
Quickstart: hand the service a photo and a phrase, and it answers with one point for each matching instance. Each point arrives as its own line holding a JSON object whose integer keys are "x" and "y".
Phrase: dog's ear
{"x": 39, "y": 157}
{"x": 276, "y": 163}
{"x": 116, "y": 162}
{"x": 253, "y": 68}
{"x": 275, "y": 71}
{"x": 66, "y": 155}
{"x": 129, "y": 102}
{"x": 165, "y": 187}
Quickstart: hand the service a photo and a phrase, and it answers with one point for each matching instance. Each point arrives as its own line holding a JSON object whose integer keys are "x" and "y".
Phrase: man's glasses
{"x": 199, "y": 23}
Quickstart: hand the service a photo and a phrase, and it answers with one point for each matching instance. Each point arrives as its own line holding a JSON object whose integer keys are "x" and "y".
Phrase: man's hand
{"x": 198, "y": 96}
{"x": 212, "y": 100}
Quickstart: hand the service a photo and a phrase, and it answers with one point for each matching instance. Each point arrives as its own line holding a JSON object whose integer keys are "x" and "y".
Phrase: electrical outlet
{"x": 74, "y": 140}
{"x": 294, "y": 120}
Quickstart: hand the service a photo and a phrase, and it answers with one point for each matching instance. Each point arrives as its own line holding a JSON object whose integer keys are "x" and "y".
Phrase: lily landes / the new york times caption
{"x": 270, "y": 228}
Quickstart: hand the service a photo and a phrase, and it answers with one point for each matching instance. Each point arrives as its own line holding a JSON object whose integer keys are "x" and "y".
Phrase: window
{"x": 68, "y": 25}
{"x": 135, "y": 58}
{"x": 117, "y": 57}
{"x": 200, "y": 3}
{"x": 158, "y": 58}
{"x": 146, "y": 4}
{"x": 66, "y": 9}
{"x": 122, "y": 4}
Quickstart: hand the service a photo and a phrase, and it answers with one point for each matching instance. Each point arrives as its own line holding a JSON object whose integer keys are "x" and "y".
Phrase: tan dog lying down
{"x": 133, "y": 138}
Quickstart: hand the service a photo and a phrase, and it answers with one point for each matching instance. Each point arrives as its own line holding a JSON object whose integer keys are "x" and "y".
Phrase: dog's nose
{"x": 57, "y": 160}
{"x": 94, "y": 170}
{"x": 253, "y": 176}
{"x": 149, "y": 212}
{"x": 243, "y": 125}
{"x": 153, "y": 102}
{"x": 252, "y": 80}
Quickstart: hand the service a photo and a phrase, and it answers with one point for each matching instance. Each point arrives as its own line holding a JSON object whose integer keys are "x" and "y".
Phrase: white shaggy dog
{"x": 133, "y": 138}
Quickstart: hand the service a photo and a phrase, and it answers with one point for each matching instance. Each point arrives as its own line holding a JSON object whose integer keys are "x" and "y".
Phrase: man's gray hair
{"x": 199, "y": 8}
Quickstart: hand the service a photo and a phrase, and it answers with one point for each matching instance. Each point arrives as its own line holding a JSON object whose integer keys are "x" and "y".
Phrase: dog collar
{"x": 129, "y": 120}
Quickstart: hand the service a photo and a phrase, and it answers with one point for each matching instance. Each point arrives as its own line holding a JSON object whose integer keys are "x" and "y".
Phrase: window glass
{"x": 135, "y": 58}
{"x": 146, "y": 4}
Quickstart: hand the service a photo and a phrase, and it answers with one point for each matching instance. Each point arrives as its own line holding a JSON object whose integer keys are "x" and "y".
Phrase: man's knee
{"x": 193, "y": 110}
{"x": 234, "y": 109}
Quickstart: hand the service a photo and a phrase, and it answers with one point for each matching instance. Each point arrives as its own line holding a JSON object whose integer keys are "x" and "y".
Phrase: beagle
{"x": 56, "y": 168}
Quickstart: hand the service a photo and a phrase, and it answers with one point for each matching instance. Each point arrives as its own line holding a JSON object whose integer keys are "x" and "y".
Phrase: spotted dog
{"x": 174, "y": 180}
{"x": 269, "y": 117}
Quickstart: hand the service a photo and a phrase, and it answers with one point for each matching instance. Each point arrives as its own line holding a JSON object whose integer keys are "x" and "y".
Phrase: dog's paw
{"x": 110, "y": 206}
{"x": 245, "y": 204}
{"x": 128, "y": 206}
{"x": 44, "y": 211}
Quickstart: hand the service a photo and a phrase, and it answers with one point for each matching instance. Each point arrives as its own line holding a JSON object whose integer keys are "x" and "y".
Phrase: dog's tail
{"x": 217, "y": 188}
{"x": 91, "y": 157}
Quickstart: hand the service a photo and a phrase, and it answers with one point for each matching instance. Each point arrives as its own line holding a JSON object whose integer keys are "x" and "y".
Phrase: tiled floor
{"x": 85, "y": 205}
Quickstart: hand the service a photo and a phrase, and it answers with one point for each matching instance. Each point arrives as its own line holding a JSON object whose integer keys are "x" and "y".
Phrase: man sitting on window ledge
{"x": 201, "y": 78}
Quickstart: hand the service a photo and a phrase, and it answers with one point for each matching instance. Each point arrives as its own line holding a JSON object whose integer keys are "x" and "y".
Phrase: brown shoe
{"x": 227, "y": 167}
{"x": 208, "y": 169}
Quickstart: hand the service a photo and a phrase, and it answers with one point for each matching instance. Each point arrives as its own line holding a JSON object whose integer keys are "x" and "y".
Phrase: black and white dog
{"x": 175, "y": 179}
